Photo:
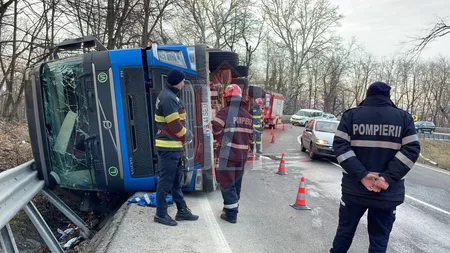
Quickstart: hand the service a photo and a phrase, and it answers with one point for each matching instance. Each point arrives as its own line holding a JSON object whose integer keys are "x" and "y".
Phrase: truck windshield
{"x": 67, "y": 122}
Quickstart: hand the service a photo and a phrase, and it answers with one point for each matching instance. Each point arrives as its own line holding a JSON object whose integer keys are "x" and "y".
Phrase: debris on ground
{"x": 15, "y": 150}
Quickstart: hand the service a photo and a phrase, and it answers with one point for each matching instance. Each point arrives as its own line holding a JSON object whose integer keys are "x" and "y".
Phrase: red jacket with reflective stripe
{"x": 233, "y": 128}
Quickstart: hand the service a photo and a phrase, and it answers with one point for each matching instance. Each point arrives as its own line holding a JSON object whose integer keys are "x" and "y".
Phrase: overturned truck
{"x": 91, "y": 112}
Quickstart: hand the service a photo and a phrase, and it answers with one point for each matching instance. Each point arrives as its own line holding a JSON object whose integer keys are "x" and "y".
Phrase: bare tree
{"x": 305, "y": 29}
{"x": 439, "y": 30}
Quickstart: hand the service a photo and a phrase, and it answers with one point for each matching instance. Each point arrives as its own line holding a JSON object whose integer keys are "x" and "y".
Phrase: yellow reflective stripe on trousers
{"x": 172, "y": 117}
{"x": 231, "y": 206}
{"x": 168, "y": 144}
{"x": 256, "y": 116}
{"x": 181, "y": 133}
{"x": 256, "y": 126}
{"x": 160, "y": 119}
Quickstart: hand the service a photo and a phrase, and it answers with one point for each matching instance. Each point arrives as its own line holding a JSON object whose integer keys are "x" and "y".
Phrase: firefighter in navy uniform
{"x": 169, "y": 117}
{"x": 257, "y": 125}
{"x": 376, "y": 145}
{"x": 232, "y": 129}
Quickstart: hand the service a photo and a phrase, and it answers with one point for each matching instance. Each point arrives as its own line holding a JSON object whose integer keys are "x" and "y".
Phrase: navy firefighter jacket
{"x": 376, "y": 137}
{"x": 170, "y": 116}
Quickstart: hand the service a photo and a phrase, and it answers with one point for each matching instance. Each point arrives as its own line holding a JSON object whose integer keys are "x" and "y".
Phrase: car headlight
{"x": 321, "y": 142}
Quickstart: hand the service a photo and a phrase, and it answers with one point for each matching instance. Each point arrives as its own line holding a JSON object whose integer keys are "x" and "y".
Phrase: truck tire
{"x": 242, "y": 71}
{"x": 217, "y": 58}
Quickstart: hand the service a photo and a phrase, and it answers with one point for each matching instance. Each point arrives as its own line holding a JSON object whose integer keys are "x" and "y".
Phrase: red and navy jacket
{"x": 233, "y": 128}
{"x": 376, "y": 137}
{"x": 170, "y": 117}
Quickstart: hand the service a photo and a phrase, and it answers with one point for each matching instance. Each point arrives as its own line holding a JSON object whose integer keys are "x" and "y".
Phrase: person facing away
{"x": 232, "y": 129}
{"x": 376, "y": 144}
{"x": 257, "y": 125}
{"x": 170, "y": 117}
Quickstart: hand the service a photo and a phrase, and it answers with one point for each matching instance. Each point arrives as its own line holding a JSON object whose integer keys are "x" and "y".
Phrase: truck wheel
{"x": 217, "y": 58}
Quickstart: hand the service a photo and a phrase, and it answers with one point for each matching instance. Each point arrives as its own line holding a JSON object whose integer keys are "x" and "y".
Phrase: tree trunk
{"x": 110, "y": 24}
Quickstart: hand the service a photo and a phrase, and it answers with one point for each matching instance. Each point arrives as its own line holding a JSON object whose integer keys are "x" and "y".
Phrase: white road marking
{"x": 213, "y": 227}
{"x": 298, "y": 139}
{"x": 428, "y": 205}
{"x": 430, "y": 168}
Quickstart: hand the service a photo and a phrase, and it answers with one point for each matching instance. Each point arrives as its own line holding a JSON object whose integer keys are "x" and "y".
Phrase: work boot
{"x": 166, "y": 220}
{"x": 185, "y": 214}
{"x": 224, "y": 217}
{"x": 259, "y": 152}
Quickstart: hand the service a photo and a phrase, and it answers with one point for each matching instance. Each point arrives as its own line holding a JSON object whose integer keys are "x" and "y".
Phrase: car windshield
{"x": 328, "y": 127}
{"x": 305, "y": 113}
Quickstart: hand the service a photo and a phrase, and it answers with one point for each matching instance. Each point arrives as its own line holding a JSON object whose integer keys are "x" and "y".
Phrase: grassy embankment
{"x": 436, "y": 151}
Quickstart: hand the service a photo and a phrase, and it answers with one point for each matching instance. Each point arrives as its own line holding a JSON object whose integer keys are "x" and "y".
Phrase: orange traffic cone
{"x": 282, "y": 167}
{"x": 300, "y": 202}
{"x": 273, "y": 139}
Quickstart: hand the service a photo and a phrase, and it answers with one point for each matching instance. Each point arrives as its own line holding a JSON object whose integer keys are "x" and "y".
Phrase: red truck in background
{"x": 273, "y": 109}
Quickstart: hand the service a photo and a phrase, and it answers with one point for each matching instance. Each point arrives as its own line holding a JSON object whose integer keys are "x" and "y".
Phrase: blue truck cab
{"x": 91, "y": 115}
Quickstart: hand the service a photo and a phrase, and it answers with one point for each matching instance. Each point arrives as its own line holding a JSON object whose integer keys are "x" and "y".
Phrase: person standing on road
{"x": 232, "y": 129}
{"x": 376, "y": 145}
{"x": 257, "y": 125}
{"x": 169, "y": 117}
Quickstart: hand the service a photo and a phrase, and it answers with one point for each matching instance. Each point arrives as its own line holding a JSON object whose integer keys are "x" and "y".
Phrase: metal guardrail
{"x": 18, "y": 187}
{"x": 443, "y": 130}
{"x": 435, "y": 136}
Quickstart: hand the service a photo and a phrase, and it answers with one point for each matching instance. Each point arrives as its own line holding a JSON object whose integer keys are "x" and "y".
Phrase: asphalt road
{"x": 266, "y": 222}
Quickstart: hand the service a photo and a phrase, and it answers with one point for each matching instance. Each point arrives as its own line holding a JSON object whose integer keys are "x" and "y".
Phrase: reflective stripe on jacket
{"x": 169, "y": 117}
{"x": 233, "y": 131}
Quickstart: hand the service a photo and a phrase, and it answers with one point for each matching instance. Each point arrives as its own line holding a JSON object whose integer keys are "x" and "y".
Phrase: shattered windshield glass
{"x": 67, "y": 122}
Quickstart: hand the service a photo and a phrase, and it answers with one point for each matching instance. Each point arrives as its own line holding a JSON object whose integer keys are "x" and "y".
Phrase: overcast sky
{"x": 383, "y": 26}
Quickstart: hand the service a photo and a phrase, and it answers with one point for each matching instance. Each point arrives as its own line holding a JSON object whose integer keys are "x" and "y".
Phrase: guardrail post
{"x": 7, "y": 240}
{"x": 71, "y": 215}
{"x": 42, "y": 228}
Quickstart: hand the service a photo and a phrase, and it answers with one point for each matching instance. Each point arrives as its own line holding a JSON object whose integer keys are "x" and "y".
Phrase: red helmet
{"x": 259, "y": 101}
{"x": 232, "y": 90}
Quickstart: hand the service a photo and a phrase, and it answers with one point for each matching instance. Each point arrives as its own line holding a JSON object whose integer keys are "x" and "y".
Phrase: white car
{"x": 329, "y": 116}
{"x": 303, "y": 116}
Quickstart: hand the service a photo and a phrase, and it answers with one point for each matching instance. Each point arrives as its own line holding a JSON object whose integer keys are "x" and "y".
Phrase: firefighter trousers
{"x": 379, "y": 224}
{"x": 229, "y": 178}
{"x": 170, "y": 180}
{"x": 256, "y": 142}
